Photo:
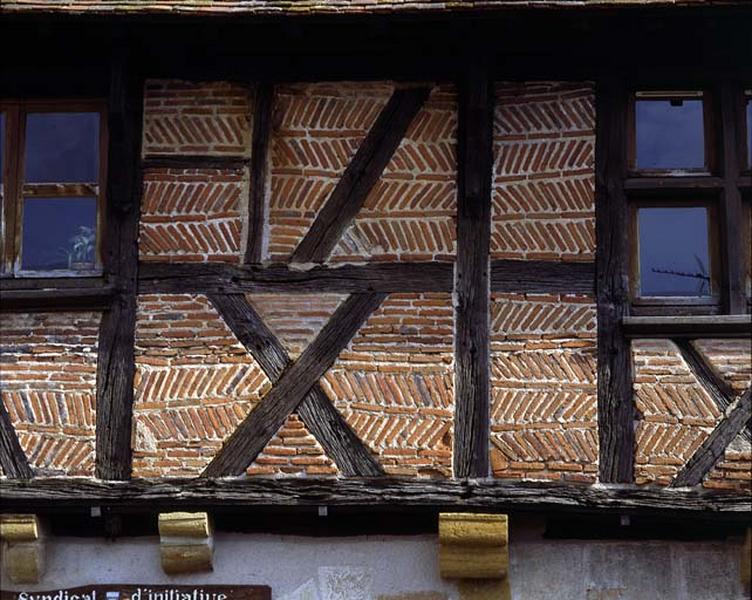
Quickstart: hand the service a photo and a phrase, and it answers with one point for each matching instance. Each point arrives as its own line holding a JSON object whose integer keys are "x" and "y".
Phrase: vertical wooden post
{"x": 615, "y": 402}
{"x": 262, "y": 128}
{"x": 471, "y": 276}
{"x": 115, "y": 361}
{"x": 732, "y": 280}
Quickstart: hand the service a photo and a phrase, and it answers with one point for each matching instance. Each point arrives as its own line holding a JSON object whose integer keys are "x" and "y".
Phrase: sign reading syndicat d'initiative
{"x": 147, "y": 592}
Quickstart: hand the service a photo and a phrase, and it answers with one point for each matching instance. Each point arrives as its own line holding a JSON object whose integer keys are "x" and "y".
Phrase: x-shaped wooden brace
{"x": 295, "y": 387}
{"x": 738, "y": 413}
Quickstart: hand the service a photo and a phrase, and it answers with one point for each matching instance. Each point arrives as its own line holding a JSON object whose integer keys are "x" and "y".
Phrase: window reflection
{"x": 59, "y": 233}
{"x": 669, "y": 134}
{"x": 62, "y": 147}
{"x": 674, "y": 256}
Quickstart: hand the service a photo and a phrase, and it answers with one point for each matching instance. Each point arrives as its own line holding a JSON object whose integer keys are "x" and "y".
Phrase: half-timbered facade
{"x": 380, "y": 258}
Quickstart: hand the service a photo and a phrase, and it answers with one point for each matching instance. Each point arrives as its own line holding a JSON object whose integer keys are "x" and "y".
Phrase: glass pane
{"x": 670, "y": 134}
{"x": 674, "y": 259}
{"x": 62, "y": 147}
{"x": 59, "y": 233}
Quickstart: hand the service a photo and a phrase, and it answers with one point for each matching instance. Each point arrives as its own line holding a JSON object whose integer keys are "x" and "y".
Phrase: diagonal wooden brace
{"x": 255, "y": 431}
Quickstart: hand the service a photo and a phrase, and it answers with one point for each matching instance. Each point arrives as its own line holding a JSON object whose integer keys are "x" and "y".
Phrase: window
{"x": 53, "y": 174}
{"x": 679, "y": 187}
{"x": 670, "y": 132}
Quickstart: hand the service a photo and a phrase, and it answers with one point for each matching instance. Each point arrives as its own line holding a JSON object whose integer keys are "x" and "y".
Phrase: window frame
{"x": 15, "y": 189}
{"x": 709, "y": 304}
{"x": 709, "y": 126}
{"x": 714, "y": 188}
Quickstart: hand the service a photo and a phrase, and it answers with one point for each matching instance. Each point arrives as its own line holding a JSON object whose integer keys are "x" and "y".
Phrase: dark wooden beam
{"x": 12, "y": 457}
{"x": 252, "y": 435}
{"x": 322, "y": 419}
{"x": 688, "y": 327}
{"x": 516, "y": 276}
{"x": 56, "y": 299}
{"x": 733, "y": 276}
{"x": 720, "y": 391}
{"x": 472, "y": 270}
{"x": 115, "y": 360}
{"x": 487, "y": 494}
{"x": 615, "y": 403}
{"x": 361, "y": 175}
{"x": 262, "y": 128}
{"x": 696, "y": 184}
{"x": 197, "y": 161}
{"x": 711, "y": 451}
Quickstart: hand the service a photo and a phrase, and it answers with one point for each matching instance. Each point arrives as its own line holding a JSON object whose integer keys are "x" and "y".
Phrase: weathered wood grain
{"x": 720, "y": 391}
{"x": 471, "y": 275}
{"x": 318, "y": 414}
{"x": 361, "y": 175}
{"x": 711, "y": 451}
{"x": 262, "y": 127}
{"x": 115, "y": 360}
{"x": 12, "y": 457}
{"x": 195, "y": 161}
{"x": 688, "y": 327}
{"x": 531, "y": 276}
{"x": 252, "y": 435}
{"x": 367, "y": 494}
{"x": 733, "y": 277}
{"x": 615, "y": 404}
{"x": 56, "y": 299}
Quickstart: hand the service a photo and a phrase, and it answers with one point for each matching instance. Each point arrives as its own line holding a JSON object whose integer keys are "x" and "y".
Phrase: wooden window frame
{"x": 745, "y": 127}
{"x": 709, "y": 304}
{"x": 709, "y": 128}
{"x": 16, "y": 190}
{"x": 719, "y": 187}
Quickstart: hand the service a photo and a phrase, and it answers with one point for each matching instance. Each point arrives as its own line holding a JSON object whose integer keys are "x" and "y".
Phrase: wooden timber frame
{"x": 296, "y": 382}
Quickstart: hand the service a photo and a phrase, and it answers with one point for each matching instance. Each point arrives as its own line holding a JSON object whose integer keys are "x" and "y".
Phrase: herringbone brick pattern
{"x": 48, "y": 386}
{"x": 543, "y": 190}
{"x": 676, "y": 413}
{"x": 292, "y": 451}
{"x": 295, "y": 319}
{"x": 543, "y": 382}
{"x": 732, "y": 360}
{"x": 318, "y": 127}
{"x": 410, "y": 213}
{"x": 394, "y": 384}
{"x": 194, "y": 383}
{"x": 734, "y": 472}
{"x": 193, "y": 215}
{"x": 183, "y": 117}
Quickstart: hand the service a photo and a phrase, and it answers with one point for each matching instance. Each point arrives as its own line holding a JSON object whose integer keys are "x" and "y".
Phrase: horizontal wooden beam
{"x": 691, "y": 327}
{"x": 58, "y": 298}
{"x": 203, "y": 493}
{"x": 673, "y": 184}
{"x": 195, "y": 162}
{"x": 531, "y": 276}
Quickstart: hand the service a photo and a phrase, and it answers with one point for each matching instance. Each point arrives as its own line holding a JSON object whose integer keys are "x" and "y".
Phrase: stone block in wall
{"x": 394, "y": 384}
{"x": 194, "y": 383}
{"x": 193, "y": 215}
{"x": 317, "y": 129}
{"x": 410, "y": 213}
{"x": 543, "y": 387}
{"x": 544, "y": 184}
{"x": 48, "y": 386}
{"x": 210, "y": 118}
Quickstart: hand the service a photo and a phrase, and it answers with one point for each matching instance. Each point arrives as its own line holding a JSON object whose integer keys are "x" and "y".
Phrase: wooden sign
{"x": 147, "y": 592}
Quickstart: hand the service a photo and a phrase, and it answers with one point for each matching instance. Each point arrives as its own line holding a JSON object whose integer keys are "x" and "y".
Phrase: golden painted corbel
{"x": 474, "y": 549}
{"x": 186, "y": 542}
{"x": 23, "y": 543}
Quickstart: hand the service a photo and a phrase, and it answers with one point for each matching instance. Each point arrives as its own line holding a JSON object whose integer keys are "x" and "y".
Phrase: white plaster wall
{"x": 365, "y": 568}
